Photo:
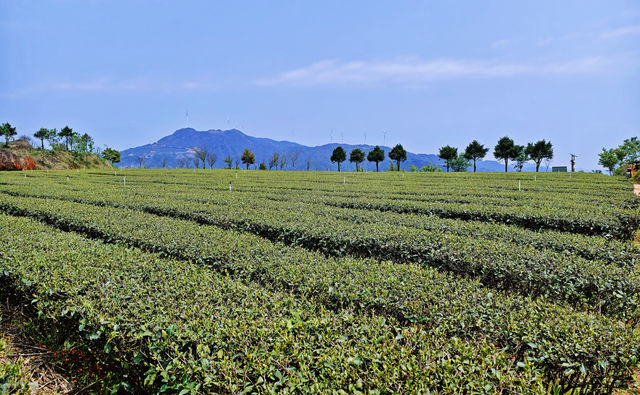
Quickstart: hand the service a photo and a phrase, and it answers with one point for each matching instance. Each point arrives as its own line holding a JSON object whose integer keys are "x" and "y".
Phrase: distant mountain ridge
{"x": 223, "y": 143}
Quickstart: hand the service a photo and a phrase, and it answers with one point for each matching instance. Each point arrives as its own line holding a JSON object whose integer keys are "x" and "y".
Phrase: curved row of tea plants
{"x": 598, "y": 286}
{"x": 203, "y": 332}
{"x": 573, "y": 348}
{"x": 588, "y": 247}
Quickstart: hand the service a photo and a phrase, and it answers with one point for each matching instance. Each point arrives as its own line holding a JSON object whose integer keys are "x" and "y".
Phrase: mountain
{"x": 180, "y": 146}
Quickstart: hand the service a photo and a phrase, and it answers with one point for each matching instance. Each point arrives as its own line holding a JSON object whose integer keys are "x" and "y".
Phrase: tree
{"x": 608, "y": 159}
{"x": 308, "y": 164}
{"x": 460, "y": 163}
{"x": 41, "y": 134}
{"x": 228, "y": 161}
{"x": 505, "y": 150}
{"x": 520, "y": 157}
{"x": 262, "y": 166}
{"x": 273, "y": 161}
{"x": 539, "y": 151}
{"x": 163, "y": 162}
{"x": 398, "y": 154}
{"x": 357, "y": 156}
{"x": 247, "y": 157}
{"x": 66, "y": 133}
{"x": 282, "y": 162}
{"x": 448, "y": 153}
{"x": 7, "y": 131}
{"x": 52, "y": 138}
{"x": 475, "y": 151}
{"x": 211, "y": 159}
{"x": 293, "y": 157}
{"x": 111, "y": 155}
{"x": 376, "y": 155}
{"x": 181, "y": 163}
{"x": 338, "y": 155}
{"x": 629, "y": 151}
{"x": 141, "y": 161}
{"x": 201, "y": 154}
{"x": 83, "y": 143}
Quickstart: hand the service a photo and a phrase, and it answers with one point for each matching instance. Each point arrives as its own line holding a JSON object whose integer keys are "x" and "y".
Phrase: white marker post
{"x": 518, "y": 185}
{"x": 229, "y": 187}
{"x": 236, "y": 173}
{"x": 67, "y": 178}
{"x": 535, "y": 177}
{"x": 124, "y": 180}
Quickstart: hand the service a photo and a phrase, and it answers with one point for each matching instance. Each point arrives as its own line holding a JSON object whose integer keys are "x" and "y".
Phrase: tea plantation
{"x": 200, "y": 281}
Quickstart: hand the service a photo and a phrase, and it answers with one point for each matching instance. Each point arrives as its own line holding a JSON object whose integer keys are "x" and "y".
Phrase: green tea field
{"x": 217, "y": 281}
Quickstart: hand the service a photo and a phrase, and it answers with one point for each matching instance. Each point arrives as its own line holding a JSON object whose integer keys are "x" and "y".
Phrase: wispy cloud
{"x": 620, "y": 32}
{"x": 416, "y": 70}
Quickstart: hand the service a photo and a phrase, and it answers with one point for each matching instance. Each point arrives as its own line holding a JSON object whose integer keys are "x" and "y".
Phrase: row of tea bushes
{"x": 572, "y": 348}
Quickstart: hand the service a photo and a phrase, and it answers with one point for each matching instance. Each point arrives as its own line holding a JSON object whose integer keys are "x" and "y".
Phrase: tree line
{"x": 66, "y": 139}
{"x": 506, "y": 150}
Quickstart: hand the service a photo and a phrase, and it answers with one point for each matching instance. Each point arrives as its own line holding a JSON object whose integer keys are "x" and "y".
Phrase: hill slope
{"x": 223, "y": 143}
{"x": 19, "y": 155}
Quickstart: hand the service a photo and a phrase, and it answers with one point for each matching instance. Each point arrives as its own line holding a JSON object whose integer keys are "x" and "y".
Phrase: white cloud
{"x": 416, "y": 70}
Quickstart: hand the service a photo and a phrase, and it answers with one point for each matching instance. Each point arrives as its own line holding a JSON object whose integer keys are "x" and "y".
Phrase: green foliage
{"x": 464, "y": 267}
{"x": 398, "y": 154}
{"x": 67, "y": 134}
{"x": 248, "y": 158}
{"x": 608, "y": 159}
{"x": 7, "y": 131}
{"x": 111, "y": 155}
{"x": 41, "y": 134}
{"x": 629, "y": 151}
{"x": 448, "y": 153}
{"x": 338, "y": 155}
{"x": 431, "y": 169}
{"x": 459, "y": 163}
{"x": 357, "y": 157}
{"x": 262, "y": 166}
{"x": 376, "y": 155}
{"x": 228, "y": 162}
{"x": 475, "y": 151}
{"x": 520, "y": 158}
{"x": 537, "y": 152}
{"x": 507, "y": 150}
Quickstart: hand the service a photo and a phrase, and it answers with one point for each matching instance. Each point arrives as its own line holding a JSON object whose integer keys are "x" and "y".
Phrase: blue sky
{"x": 430, "y": 73}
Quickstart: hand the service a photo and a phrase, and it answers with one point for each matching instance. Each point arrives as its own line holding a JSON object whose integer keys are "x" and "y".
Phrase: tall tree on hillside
{"x": 201, "y": 153}
{"x": 448, "y": 153}
{"x": 273, "y": 161}
{"x": 357, "y": 157}
{"x": 376, "y": 155}
{"x": 338, "y": 155}
{"x": 398, "y": 154}
{"x": 506, "y": 150}
{"x": 111, "y": 155}
{"x": 475, "y": 151}
{"x": 41, "y": 134}
{"x": 66, "y": 133}
{"x": 629, "y": 151}
{"x": 7, "y": 131}
{"x": 141, "y": 161}
{"x": 86, "y": 142}
{"x": 608, "y": 159}
{"x": 539, "y": 151}
{"x": 248, "y": 158}
{"x": 163, "y": 162}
